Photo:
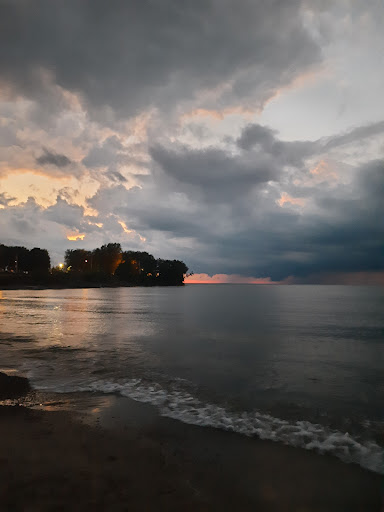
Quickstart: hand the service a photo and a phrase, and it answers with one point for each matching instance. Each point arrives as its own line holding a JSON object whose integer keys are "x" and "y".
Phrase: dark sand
{"x": 122, "y": 456}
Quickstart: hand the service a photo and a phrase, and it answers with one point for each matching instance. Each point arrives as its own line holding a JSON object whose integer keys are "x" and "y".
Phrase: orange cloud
{"x": 131, "y": 232}
{"x": 88, "y": 211}
{"x": 7, "y": 170}
{"x": 226, "y": 278}
{"x": 217, "y": 114}
{"x": 323, "y": 172}
{"x": 125, "y": 228}
{"x": 45, "y": 189}
{"x": 74, "y": 236}
{"x": 286, "y": 198}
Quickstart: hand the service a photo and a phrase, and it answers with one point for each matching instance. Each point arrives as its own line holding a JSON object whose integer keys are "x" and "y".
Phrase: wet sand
{"x": 122, "y": 456}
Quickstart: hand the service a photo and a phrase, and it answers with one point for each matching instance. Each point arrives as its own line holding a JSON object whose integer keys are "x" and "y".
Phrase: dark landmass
{"x": 107, "y": 265}
{"x": 54, "y": 280}
{"x": 51, "y": 461}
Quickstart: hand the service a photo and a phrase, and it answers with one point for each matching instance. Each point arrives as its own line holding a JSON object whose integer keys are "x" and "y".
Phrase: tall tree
{"x": 40, "y": 260}
{"x": 107, "y": 258}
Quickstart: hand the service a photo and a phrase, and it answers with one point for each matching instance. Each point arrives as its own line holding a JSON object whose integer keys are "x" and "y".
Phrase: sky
{"x": 244, "y": 137}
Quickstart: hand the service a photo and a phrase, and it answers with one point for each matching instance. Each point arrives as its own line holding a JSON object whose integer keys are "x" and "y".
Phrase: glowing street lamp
{"x": 61, "y": 265}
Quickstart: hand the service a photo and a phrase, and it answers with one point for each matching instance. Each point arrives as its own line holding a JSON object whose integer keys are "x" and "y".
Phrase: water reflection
{"x": 247, "y": 345}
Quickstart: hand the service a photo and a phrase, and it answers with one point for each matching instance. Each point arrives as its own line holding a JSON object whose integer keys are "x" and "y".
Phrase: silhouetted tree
{"x": 79, "y": 260}
{"x": 137, "y": 267}
{"x": 171, "y": 272}
{"x": 20, "y": 259}
{"x": 15, "y": 258}
{"x": 107, "y": 258}
{"x": 99, "y": 266}
{"x": 40, "y": 260}
{"x": 24, "y": 259}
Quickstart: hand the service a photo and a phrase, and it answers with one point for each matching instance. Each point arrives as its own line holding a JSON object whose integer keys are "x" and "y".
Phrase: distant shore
{"x": 75, "y": 286}
{"x": 52, "y": 283}
{"x": 122, "y": 456}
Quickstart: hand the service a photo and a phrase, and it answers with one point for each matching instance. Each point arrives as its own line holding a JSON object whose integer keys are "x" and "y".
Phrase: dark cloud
{"x": 341, "y": 229}
{"x": 73, "y": 217}
{"x": 226, "y": 201}
{"x": 262, "y": 138}
{"x": 126, "y": 56}
{"x": 255, "y": 134}
{"x": 51, "y": 158}
{"x": 20, "y": 223}
{"x": 355, "y": 135}
{"x": 64, "y": 213}
{"x": 215, "y": 173}
{"x": 257, "y": 137}
{"x": 342, "y": 232}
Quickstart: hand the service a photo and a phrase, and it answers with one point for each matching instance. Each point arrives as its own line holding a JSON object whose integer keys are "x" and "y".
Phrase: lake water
{"x": 303, "y": 365}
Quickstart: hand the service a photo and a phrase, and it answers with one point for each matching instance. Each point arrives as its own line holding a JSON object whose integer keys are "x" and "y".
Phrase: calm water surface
{"x": 299, "y": 364}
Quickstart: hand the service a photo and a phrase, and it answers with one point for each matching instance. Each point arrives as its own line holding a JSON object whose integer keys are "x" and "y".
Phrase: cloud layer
{"x": 152, "y": 124}
{"x": 128, "y": 55}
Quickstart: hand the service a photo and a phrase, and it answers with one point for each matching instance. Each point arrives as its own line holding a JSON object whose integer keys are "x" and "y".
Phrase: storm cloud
{"x": 128, "y": 55}
{"x": 243, "y": 137}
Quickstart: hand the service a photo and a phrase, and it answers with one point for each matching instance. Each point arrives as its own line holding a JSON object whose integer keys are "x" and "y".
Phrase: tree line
{"x": 131, "y": 267}
{"x": 107, "y": 265}
{"x": 19, "y": 259}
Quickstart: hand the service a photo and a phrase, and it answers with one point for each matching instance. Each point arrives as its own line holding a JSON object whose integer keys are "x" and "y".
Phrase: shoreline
{"x": 85, "y": 285}
{"x": 118, "y": 454}
{"x": 80, "y": 286}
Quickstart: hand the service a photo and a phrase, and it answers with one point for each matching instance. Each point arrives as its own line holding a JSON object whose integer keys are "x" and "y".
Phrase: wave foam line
{"x": 183, "y": 406}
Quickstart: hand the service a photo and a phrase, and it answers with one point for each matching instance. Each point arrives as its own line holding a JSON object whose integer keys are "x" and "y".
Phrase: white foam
{"x": 181, "y": 405}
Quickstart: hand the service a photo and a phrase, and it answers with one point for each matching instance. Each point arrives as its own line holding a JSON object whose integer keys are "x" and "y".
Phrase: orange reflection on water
{"x": 76, "y": 314}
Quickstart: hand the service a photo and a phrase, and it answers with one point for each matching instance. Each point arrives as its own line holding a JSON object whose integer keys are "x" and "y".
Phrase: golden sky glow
{"x": 125, "y": 228}
{"x": 44, "y": 189}
{"x": 75, "y": 236}
{"x": 130, "y": 232}
{"x": 30, "y": 184}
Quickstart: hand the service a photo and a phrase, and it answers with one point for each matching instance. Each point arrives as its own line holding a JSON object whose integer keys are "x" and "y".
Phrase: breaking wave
{"x": 184, "y": 406}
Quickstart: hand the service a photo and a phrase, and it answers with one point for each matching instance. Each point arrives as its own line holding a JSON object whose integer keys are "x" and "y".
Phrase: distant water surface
{"x": 303, "y": 365}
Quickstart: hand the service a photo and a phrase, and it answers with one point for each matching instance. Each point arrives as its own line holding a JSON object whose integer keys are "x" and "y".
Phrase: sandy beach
{"x": 125, "y": 457}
